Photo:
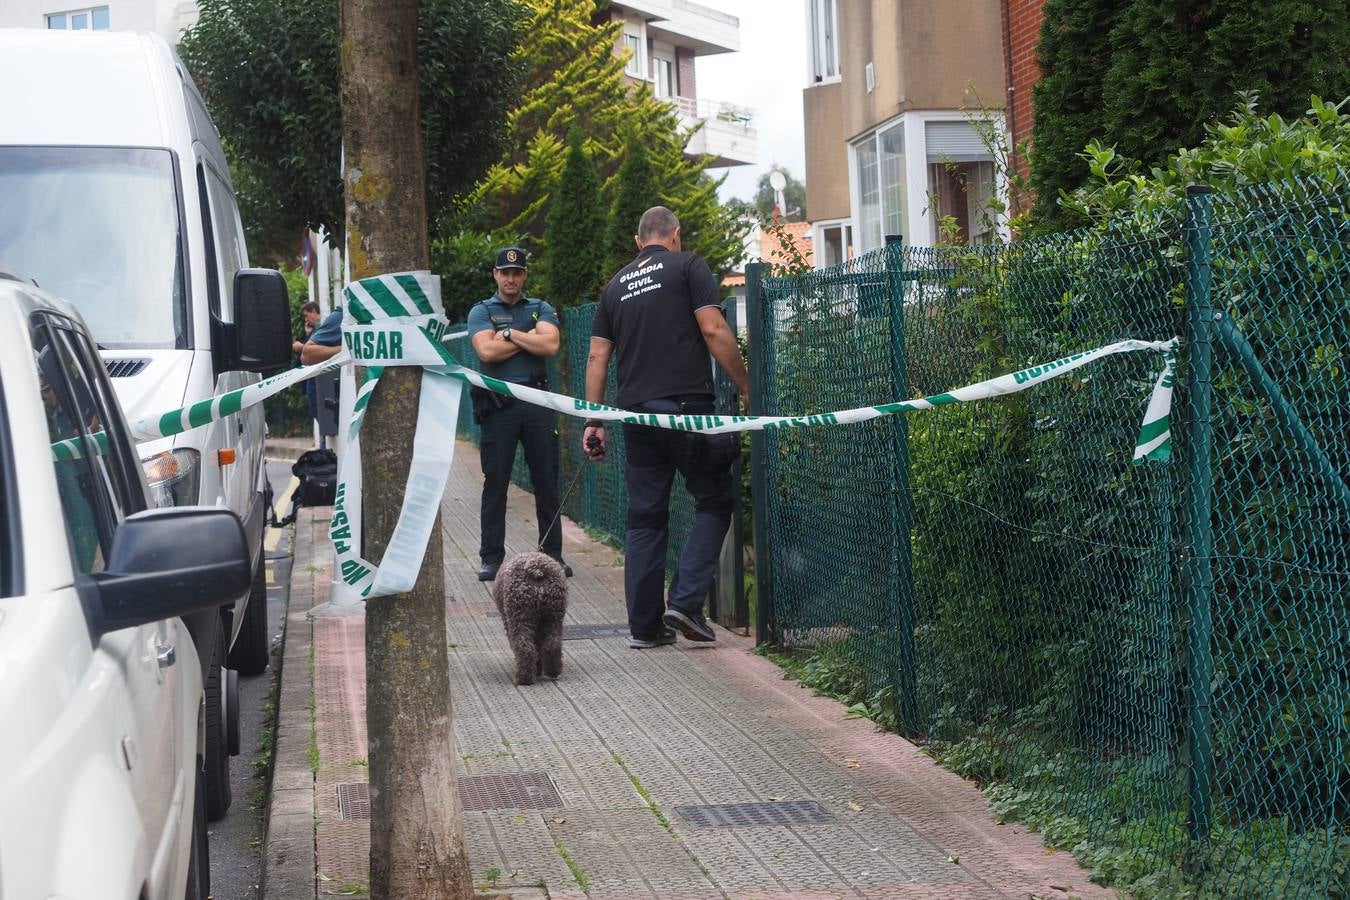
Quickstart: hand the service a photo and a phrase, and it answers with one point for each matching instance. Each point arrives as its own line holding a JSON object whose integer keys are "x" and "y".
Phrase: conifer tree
{"x": 635, "y": 192}
{"x": 574, "y": 77}
{"x": 574, "y": 246}
{"x": 1146, "y": 76}
{"x": 1075, "y": 47}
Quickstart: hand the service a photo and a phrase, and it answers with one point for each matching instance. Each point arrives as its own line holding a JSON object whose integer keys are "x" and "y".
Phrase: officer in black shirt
{"x": 662, "y": 315}
{"x": 513, "y": 335}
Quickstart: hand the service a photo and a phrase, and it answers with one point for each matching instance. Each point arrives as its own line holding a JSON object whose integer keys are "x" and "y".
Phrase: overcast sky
{"x": 767, "y": 75}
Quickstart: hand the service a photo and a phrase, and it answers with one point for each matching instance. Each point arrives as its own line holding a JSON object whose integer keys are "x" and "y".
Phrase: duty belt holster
{"x": 485, "y": 402}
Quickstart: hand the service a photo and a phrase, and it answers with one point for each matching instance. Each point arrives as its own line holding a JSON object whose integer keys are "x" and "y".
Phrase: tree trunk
{"x": 416, "y": 829}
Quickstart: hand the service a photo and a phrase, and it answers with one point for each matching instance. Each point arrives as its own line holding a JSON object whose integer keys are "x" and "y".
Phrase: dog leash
{"x": 563, "y": 502}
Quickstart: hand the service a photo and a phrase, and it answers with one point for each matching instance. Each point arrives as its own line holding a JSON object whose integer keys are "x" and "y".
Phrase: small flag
{"x": 306, "y": 253}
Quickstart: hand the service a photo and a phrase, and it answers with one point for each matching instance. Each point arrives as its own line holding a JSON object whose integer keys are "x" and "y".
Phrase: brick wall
{"x": 1021, "y": 34}
{"x": 684, "y": 75}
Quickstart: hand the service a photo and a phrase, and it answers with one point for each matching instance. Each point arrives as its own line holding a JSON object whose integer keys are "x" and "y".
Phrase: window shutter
{"x": 954, "y": 141}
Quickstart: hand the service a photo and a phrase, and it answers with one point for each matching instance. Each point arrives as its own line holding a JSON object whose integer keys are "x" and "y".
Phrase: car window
{"x": 91, "y": 499}
{"x": 11, "y": 580}
{"x": 227, "y": 244}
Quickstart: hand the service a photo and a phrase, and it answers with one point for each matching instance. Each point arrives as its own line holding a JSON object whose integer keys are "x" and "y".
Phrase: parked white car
{"x": 116, "y": 196}
{"x": 101, "y": 712}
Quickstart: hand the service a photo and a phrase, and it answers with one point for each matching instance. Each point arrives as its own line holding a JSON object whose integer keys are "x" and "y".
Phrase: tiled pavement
{"x": 628, "y": 736}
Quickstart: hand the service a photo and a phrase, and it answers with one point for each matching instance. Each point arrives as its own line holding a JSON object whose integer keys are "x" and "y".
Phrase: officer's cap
{"x": 511, "y": 258}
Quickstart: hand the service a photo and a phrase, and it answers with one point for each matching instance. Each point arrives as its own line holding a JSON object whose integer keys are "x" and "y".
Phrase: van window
{"x": 99, "y": 227}
{"x": 229, "y": 245}
{"x": 85, "y": 484}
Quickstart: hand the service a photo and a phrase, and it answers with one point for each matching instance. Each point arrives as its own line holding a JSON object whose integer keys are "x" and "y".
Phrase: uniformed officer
{"x": 513, "y": 335}
{"x": 662, "y": 315}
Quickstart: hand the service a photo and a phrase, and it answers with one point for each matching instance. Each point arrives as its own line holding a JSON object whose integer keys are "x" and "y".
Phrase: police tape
{"x": 392, "y": 320}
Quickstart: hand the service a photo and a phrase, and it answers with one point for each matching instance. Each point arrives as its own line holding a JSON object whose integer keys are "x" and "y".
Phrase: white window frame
{"x": 873, "y": 138}
{"x": 660, "y": 63}
{"x": 919, "y": 225}
{"x": 635, "y": 39}
{"x": 69, "y": 17}
{"x": 819, "y": 243}
{"x": 822, "y": 32}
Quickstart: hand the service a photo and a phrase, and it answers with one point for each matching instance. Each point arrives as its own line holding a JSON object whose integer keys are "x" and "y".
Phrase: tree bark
{"x": 417, "y": 828}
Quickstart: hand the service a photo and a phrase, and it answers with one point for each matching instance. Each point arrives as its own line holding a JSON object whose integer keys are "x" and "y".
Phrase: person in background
{"x": 324, "y": 342}
{"x": 661, "y": 316}
{"x": 309, "y": 316}
{"x": 513, "y": 336}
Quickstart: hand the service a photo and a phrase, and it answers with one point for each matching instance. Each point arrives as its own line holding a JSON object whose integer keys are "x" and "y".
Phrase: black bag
{"x": 317, "y": 471}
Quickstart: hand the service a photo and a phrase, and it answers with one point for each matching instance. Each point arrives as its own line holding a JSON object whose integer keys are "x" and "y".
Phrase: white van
{"x": 115, "y": 196}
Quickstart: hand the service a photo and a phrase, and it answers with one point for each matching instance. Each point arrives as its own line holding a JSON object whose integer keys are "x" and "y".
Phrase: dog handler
{"x": 661, "y": 315}
{"x": 513, "y": 335}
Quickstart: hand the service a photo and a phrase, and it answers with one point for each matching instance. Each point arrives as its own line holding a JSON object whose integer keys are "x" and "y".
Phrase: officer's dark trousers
{"x": 653, "y": 456}
{"x": 535, "y": 428}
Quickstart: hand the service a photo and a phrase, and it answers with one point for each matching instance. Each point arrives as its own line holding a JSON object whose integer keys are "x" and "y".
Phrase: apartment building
{"x": 663, "y": 38}
{"x": 167, "y": 18}
{"x": 890, "y": 148}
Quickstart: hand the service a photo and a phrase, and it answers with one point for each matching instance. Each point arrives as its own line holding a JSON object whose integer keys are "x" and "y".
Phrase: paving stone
{"x": 626, "y": 736}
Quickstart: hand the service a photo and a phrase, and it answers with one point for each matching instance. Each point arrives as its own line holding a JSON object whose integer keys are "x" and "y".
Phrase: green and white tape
{"x": 393, "y": 320}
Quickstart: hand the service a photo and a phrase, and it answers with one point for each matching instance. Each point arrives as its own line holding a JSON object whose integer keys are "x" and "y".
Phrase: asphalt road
{"x": 237, "y": 840}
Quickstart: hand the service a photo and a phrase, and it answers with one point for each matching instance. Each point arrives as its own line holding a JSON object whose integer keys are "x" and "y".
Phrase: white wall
{"x": 166, "y": 17}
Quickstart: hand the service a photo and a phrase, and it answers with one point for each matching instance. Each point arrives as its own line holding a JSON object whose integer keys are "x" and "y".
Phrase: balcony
{"x": 726, "y": 134}
{"x": 686, "y": 24}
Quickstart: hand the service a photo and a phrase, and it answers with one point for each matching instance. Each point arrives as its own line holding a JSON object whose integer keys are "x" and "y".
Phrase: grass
{"x": 646, "y": 796}
{"x": 578, "y": 875}
{"x": 313, "y": 723}
{"x": 267, "y": 747}
{"x": 1122, "y": 817}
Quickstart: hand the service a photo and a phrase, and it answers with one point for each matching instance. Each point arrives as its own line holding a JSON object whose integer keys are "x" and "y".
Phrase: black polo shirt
{"x": 647, "y": 312}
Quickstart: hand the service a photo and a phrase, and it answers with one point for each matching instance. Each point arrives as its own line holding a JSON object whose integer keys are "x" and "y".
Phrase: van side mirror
{"x": 172, "y": 562}
{"x": 261, "y": 340}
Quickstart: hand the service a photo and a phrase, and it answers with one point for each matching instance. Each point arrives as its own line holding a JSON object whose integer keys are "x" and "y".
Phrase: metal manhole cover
{"x": 591, "y": 632}
{"x": 523, "y": 790}
{"x": 741, "y": 815}
{"x": 354, "y": 800}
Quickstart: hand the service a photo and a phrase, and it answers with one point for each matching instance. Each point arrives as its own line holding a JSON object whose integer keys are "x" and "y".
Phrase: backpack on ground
{"x": 317, "y": 471}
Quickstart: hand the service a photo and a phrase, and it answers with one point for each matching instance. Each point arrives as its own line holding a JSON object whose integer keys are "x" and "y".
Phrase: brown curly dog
{"x": 531, "y": 595}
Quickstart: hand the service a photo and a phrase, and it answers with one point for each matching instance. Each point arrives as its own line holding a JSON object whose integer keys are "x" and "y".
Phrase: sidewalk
{"x": 640, "y": 746}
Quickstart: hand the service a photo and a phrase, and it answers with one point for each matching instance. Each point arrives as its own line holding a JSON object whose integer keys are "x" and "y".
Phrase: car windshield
{"x": 98, "y": 227}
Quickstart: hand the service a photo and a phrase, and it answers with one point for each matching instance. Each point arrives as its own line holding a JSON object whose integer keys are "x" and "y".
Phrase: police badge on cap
{"x": 511, "y": 258}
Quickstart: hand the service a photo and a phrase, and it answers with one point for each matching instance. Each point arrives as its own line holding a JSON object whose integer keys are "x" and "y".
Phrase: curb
{"x": 289, "y": 857}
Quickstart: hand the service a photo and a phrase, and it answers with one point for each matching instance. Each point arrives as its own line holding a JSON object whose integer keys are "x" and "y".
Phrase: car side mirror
{"x": 172, "y": 562}
{"x": 261, "y": 338}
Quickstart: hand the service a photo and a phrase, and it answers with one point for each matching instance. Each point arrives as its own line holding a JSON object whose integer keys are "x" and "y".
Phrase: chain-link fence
{"x": 1149, "y": 663}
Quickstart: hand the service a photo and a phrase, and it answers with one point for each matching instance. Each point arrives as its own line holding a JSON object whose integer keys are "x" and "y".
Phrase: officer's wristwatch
{"x": 506, "y": 334}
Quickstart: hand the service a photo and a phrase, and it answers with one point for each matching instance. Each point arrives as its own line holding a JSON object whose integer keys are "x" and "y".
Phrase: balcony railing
{"x": 691, "y": 108}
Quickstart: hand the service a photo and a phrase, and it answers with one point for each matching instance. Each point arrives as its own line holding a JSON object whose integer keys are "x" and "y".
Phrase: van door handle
{"x": 241, "y": 426}
{"x": 165, "y": 655}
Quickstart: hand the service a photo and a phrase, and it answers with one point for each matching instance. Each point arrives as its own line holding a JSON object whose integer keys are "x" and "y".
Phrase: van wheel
{"x": 252, "y": 649}
{"x": 199, "y": 857}
{"x": 217, "y": 736}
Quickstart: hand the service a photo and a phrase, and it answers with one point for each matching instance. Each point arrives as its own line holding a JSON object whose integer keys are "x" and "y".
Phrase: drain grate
{"x": 523, "y": 790}
{"x": 741, "y": 815}
{"x": 354, "y": 800}
{"x": 591, "y": 632}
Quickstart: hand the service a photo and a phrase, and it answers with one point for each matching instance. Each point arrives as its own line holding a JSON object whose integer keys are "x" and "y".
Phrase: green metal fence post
{"x": 1199, "y": 537}
{"x": 1233, "y": 341}
{"x": 902, "y": 515}
{"x": 756, "y": 321}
